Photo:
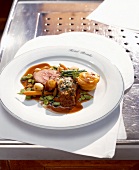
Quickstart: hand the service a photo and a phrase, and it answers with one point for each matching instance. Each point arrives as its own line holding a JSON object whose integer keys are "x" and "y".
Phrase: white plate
{"x": 107, "y": 95}
{"x": 98, "y": 43}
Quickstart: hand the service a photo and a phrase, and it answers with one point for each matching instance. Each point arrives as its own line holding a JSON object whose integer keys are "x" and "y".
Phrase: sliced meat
{"x": 44, "y": 75}
{"x": 67, "y": 91}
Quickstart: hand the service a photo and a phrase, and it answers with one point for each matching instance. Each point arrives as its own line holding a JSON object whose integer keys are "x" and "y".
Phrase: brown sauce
{"x": 31, "y": 70}
{"x": 61, "y": 109}
{"x": 41, "y": 66}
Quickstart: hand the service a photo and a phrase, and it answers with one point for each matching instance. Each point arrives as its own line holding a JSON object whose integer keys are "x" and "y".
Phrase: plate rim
{"x": 74, "y": 126}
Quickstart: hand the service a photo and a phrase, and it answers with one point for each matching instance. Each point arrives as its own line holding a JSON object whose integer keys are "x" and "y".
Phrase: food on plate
{"x": 58, "y": 88}
{"x": 45, "y": 75}
{"x": 88, "y": 81}
{"x": 67, "y": 91}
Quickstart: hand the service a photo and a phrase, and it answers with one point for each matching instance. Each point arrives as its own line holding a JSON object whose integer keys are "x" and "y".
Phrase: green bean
{"x": 33, "y": 81}
{"x": 49, "y": 97}
{"x": 56, "y": 103}
{"x": 55, "y": 67}
{"x": 28, "y": 89}
{"x": 82, "y": 97}
{"x": 28, "y": 97}
{"x": 29, "y": 76}
{"x": 24, "y": 78}
{"x": 22, "y": 91}
{"x": 29, "y": 80}
{"x": 88, "y": 97}
{"x": 41, "y": 98}
{"x": 45, "y": 102}
{"x": 68, "y": 75}
{"x": 71, "y": 73}
{"x": 83, "y": 92}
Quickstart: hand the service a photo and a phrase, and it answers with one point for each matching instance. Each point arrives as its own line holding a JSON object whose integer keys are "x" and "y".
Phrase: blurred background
{"x": 5, "y": 6}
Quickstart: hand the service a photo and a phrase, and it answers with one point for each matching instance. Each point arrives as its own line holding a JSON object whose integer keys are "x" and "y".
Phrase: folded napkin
{"x": 121, "y": 13}
{"x": 97, "y": 140}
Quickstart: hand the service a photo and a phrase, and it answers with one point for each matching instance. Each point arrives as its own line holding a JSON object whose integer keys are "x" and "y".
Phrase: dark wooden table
{"x": 69, "y": 165}
{"x": 5, "y": 6}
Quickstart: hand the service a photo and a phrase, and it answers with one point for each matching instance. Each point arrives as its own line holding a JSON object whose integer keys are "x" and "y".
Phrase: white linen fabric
{"x": 98, "y": 139}
{"x": 121, "y": 13}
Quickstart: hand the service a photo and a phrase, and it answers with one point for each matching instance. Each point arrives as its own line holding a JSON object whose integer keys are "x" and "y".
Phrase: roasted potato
{"x": 88, "y": 81}
{"x": 50, "y": 85}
